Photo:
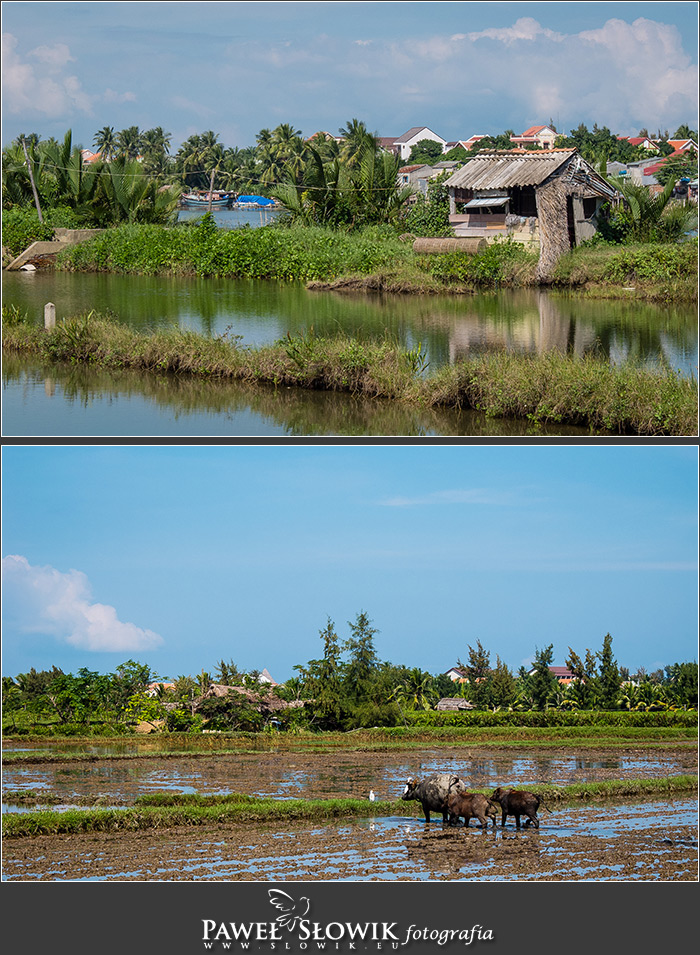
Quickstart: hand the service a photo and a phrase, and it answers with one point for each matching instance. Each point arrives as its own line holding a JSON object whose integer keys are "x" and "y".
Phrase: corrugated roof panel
{"x": 503, "y": 171}
{"x": 487, "y": 201}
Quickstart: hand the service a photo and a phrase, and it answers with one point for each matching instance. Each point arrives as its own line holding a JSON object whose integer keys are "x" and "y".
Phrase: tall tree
{"x": 362, "y": 656}
{"x": 105, "y": 142}
{"x": 543, "y": 683}
{"x": 610, "y": 680}
{"x": 129, "y": 143}
{"x": 357, "y": 140}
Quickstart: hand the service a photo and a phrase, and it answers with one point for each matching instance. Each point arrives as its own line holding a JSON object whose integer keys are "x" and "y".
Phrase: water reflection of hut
{"x": 553, "y": 194}
{"x": 538, "y": 325}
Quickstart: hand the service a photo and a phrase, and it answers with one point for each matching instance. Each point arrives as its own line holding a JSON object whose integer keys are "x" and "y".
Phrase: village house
{"x": 454, "y": 704}
{"x": 683, "y": 145}
{"x": 418, "y": 176}
{"x": 540, "y": 136}
{"x": 642, "y": 141}
{"x": 90, "y": 157}
{"x": 472, "y": 141}
{"x": 548, "y": 197}
{"x": 563, "y": 675}
{"x": 404, "y": 144}
{"x": 457, "y": 674}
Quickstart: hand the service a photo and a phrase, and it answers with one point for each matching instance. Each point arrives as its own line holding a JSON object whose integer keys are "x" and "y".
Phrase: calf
{"x": 432, "y": 793}
{"x": 516, "y": 802}
{"x": 471, "y": 806}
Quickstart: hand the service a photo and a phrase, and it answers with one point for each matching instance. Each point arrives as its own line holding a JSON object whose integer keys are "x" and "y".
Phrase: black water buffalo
{"x": 471, "y": 806}
{"x": 517, "y": 802}
{"x": 432, "y": 793}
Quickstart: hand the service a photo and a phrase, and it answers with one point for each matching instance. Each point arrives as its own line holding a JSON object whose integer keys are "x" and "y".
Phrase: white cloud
{"x": 523, "y": 29}
{"x": 45, "y": 600}
{"x": 55, "y": 57}
{"x": 42, "y": 88}
{"x": 454, "y": 496}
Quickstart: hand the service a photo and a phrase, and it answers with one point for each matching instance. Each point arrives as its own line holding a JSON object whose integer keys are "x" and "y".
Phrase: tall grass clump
{"x": 587, "y": 392}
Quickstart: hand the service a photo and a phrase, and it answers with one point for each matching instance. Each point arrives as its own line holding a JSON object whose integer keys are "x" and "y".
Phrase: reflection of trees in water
{"x": 263, "y": 409}
{"x": 450, "y": 326}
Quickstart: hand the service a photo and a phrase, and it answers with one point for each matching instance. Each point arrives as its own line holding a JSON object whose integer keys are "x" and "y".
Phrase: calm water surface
{"x": 42, "y": 401}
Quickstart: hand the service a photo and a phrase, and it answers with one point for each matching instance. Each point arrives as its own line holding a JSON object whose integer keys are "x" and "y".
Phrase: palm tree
{"x": 75, "y": 180}
{"x": 357, "y": 140}
{"x": 199, "y": 158}
{"x": 156, "y": 145}
{"x": 127, "y": 194}
{"x": 416, "y": 690}
{"x": 644, "y": 211}
{"x": 376, "y": 194}
{"x": 105, "y": 142}
{"x": 129, "y": 143}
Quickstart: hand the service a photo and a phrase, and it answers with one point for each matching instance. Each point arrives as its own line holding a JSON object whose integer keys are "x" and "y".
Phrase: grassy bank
{"x": 378, "y": 259}
{"x": 198, "y": 746}
{"x": 588, "y": 392}
{"x": 165, "y": 810}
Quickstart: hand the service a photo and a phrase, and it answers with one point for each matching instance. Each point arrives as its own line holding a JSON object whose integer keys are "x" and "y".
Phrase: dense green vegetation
{"x": 165, "y": 810}
{"x": 348, "y": 687}
{"x": 264, "y": 253}
{"x": 375, "y": 258}
{"x": 47, "y": 175}
{"x": 587, "y": 392}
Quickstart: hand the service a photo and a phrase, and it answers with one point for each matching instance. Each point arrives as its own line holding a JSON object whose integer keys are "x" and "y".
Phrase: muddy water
{"x": 641, "y": 841}
{"x": 313, "y": 776}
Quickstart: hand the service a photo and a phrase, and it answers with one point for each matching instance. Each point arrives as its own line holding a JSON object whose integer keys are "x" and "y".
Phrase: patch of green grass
{"x": 164, "y": 811}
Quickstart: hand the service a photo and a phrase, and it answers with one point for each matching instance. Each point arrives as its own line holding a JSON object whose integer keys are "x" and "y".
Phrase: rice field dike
{"x": 166, "y": 810}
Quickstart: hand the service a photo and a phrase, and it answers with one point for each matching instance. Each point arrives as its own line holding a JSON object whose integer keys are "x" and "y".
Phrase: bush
{"x": 552, "y": 717}
{"x": 489, "y": 269}
{"x": 21, "y": 227}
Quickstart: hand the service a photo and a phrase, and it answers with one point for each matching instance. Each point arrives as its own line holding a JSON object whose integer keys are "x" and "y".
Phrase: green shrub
{"x": 552, "y": 717}
{"x": 21, "y": 226}
{"x": 487, "y": 269}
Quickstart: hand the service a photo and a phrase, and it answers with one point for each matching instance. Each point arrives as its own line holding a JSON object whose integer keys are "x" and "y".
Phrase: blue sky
{"x": 182, "y": 556}
{"x": 458, "y": 68}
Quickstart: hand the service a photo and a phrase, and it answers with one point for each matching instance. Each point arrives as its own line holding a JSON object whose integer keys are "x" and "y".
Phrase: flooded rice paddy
{"x": 337, "y": 775}
{"x": 636, "y": 840}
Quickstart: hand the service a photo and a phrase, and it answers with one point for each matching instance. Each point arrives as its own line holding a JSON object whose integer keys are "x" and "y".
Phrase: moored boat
{"x": 202, "y": 200}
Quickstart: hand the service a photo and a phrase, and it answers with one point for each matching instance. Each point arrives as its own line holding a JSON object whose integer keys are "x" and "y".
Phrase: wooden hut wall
{"x": 554, "y": 232}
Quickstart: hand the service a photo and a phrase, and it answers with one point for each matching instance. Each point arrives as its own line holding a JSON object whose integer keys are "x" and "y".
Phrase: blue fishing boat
{"x": 202, "y": 200}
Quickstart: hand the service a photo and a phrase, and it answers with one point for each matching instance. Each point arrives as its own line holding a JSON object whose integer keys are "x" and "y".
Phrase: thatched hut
{"x": 454, "y": 704}
{"x": 551, "y": 196}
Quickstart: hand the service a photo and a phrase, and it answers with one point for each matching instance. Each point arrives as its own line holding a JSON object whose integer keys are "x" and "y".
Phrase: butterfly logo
{"x": 291, "y": 911}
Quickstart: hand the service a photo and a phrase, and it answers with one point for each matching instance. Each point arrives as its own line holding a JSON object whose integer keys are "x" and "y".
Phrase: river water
{"x": 40, "y": 401}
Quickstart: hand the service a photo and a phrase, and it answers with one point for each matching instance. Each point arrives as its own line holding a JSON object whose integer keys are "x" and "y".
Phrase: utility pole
{"x": 31, "y": 179}
{"x": 211, "y": 188}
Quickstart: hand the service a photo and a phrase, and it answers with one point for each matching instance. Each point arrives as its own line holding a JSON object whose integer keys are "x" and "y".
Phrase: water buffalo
{"x": 516, "y": 802}
{"x": 471, "y": 806}
{"x": 432, "y": 793}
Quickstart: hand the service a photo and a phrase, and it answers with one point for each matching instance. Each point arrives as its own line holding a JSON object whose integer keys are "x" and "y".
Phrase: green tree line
{"x": 346, "y": 687}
